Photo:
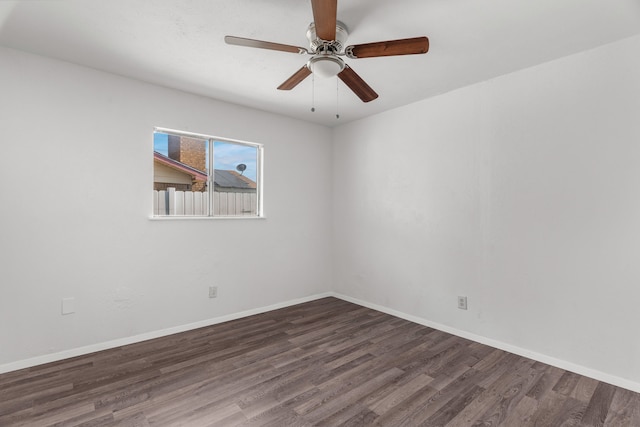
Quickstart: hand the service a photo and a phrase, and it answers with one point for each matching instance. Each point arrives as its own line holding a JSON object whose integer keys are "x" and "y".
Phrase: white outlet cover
{"x": 68, "y": 305}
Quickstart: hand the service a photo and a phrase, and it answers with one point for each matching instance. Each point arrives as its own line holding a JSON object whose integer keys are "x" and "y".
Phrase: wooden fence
{"x": 192, "y": 203}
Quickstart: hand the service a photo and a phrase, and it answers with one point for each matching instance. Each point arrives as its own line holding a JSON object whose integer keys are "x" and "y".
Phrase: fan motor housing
{"x": 328, "y": 46}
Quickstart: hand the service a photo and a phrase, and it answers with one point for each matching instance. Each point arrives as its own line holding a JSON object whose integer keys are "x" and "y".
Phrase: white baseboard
{"x": 562, "y": 364}
{"x": 80, "y": 351}
{"x": 558, "y": 363}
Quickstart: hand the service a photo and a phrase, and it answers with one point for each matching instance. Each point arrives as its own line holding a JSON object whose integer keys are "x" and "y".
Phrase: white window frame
{"x": 210, "y": 139}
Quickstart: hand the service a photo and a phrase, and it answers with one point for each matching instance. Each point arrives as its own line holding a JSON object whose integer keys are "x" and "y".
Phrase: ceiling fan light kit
{"x": 327, "y": 37}
{"x": 325, "y": 65}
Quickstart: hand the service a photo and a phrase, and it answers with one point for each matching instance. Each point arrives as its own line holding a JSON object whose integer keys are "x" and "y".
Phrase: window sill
{"x": 191, "y": 218}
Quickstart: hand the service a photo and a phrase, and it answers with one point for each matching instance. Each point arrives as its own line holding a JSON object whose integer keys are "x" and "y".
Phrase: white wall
{"x": 76, "y": 173}
{"x": 522, "y": 193}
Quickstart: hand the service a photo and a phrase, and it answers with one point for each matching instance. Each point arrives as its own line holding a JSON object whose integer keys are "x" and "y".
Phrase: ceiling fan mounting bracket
{"x": 333, "y": 47}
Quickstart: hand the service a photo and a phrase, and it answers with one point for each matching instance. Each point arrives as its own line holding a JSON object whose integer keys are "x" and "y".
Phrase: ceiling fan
{"x": 327, "y": 36}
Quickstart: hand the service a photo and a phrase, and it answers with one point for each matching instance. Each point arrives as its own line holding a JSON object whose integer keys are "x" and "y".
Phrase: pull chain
{"x": 313, "y": 91}
{"x": 337, "y": 103}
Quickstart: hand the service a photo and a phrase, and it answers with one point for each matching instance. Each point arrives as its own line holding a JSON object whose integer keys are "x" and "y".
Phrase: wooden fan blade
{"x": 260, "y": 44}
{"x": 357, "y": 85}
{"x": 324, "y": 17}
{"x": 295, "y": 79}
{"x": 411, "y": 46}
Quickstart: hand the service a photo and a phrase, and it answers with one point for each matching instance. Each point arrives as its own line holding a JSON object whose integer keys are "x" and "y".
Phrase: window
{"x": 185, "y": 184}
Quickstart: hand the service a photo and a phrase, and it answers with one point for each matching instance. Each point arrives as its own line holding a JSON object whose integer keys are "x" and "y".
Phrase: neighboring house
{"x": 183, "y": 168}
{"x": 168, "y": 172}
{"x": 226, "y": 181}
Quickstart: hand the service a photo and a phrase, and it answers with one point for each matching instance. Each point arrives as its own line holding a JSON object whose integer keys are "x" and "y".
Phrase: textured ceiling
{"x": 180, "y": 44}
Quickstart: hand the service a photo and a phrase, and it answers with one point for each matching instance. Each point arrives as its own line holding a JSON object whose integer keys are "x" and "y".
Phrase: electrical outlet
{"x": 462, "y": 303}
{"x": 68, "y": 306}
{"x": 213, "y": 292}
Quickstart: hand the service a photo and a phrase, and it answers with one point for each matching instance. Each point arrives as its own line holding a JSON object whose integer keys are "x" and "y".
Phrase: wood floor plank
{"x": 598, "y": 408}
{"x": 388, "y": 398}
{"x": 545, "y": 383}
{"x": 520, "y": 415}
{"x": 508, "y": 390}
{"x": 624, "y": 410}
{"x": 405, "y": 409}
{"x": 453, "y": 407}
{"x": 323, "y": 363}
{"x": 495, "y": 404}
{"x": 342, "y": 407}
{"x": 548, "y": 411}
{"x": 361, "y": 419}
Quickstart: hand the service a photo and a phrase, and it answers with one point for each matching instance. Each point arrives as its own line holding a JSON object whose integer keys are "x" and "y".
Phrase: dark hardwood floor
{"x": 325, "y": 363}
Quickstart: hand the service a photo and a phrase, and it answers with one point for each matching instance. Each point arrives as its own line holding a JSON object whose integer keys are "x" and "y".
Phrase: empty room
{"x": 319, "y": 213}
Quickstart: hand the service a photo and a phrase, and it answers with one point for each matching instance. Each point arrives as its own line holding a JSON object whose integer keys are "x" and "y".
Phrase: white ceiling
{"x": 179, "y": 44}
